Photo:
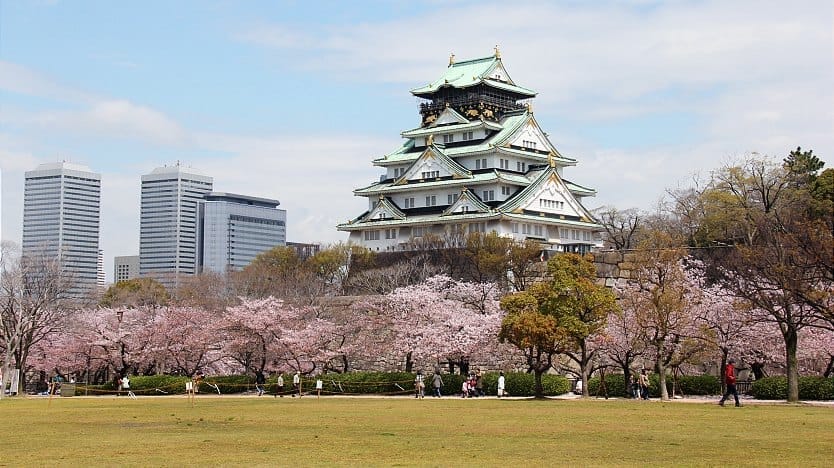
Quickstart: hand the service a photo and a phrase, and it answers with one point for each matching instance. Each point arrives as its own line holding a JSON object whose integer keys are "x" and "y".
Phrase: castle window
{"x": 449, "y": 138}
{"x": 371, "y": 235}
{"x": 431, "y": 200}
{"x": 430, "y": 175}
{"x": 408, "y": 203}
{"x": 451, "y": 198}
{"x": 489, "y": 195}
{"x": 390, "y": 233}
{"x": 467, "y": 135}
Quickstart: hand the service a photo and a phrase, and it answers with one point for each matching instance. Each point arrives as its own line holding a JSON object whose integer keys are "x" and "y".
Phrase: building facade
{"x": 478, "y": 162}
{"x": 61, "y": 219}
{"x": 125, "y": 268}
{"x": 168, "y": 223}
{"x": 233, "y": 229}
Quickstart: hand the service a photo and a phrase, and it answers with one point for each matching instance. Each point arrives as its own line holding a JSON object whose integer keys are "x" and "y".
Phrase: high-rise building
{"x": 61, "y": 217}
{"x": 125, "y": 268}
{"x": 168, "y": 222}
{"x": 234, "y": 229}
{"x": 101, "y": 279}
{"x": 478, "y": 162}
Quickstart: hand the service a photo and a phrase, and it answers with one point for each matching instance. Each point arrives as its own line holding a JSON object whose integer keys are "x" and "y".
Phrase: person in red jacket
{"x": 730, "y": 381}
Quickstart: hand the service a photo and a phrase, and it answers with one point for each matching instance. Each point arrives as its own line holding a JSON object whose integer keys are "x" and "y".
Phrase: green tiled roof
{"x": 510, "y": 124}
{"x": 576, "y": 188}
{"x": 423, "y": 131}
{"x": 388, "y": 187}
{"x": 470, "y": 73}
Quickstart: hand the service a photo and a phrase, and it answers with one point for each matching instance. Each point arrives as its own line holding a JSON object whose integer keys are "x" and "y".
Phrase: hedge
{"x": 687, "y": 385}
{"x": 356, "y": 383}
{"x": 810, "y": 388}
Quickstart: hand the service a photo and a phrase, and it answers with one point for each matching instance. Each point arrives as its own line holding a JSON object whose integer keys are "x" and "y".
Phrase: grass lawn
{"x": 264, "y": 431}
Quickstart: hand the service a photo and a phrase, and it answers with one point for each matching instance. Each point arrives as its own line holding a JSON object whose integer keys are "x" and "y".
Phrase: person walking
{"x": 500, "y": 384}
{"x": 437, "y": 383}
{"x": 296, "y": 384}
{"x": 319, "y": 387}
{"x": 280, "y": 385}
{"x": 644, "y": 385}
{"x": 479, "y": 383}
{"x": 260, "y": 381}
{"x": 730, "y": 382}
{"x": 419, "y": 385}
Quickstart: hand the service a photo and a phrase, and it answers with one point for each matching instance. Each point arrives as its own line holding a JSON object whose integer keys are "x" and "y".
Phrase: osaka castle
{"x": 478, "y": 162}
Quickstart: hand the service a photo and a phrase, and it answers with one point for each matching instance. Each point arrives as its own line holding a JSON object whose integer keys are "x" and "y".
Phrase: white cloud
{"x": 19, "y": 79}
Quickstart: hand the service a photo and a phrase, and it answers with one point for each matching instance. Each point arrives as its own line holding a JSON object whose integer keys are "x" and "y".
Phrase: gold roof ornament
{"x": 430, "y": 139}
{"x": 550, "y": 159}
{"x": 530, "y": 107}
{"x": 452, "y": 59}
{"x": 497, "y": 52}
{"x": 381, "y": 197}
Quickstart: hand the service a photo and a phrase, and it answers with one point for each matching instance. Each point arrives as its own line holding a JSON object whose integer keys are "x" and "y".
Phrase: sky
{"x": 292, "y": 100}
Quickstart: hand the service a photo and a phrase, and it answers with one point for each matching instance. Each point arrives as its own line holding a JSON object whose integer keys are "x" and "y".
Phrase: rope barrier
{"x": 216, "y": 384}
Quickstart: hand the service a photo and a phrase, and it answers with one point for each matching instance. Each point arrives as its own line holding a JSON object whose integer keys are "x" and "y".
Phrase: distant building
{"x": 233, "y": 229}
{"x": 304, "y": 251}
{"x": 168, "y": 223}
{"x": 477, "y": 162}
{"x": 61, "y": 218}
{"x": 125, "y": 268}
{"x": 101, "y": 279}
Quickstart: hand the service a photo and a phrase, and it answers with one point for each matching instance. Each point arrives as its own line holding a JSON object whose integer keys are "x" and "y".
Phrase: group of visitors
{"x": 260, "y": 384}
{"x": 472, "y": 386}
{"x": 640, "y": 385}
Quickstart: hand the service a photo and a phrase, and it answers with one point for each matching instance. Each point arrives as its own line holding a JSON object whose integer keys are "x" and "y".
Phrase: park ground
{"x": 403, "y": 431}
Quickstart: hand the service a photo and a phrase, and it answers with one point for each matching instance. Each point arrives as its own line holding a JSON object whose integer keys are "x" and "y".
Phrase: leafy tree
{"x": 137, "y": 292}
{"x": 580, "y": 306}
{"x": 536, "y": 334}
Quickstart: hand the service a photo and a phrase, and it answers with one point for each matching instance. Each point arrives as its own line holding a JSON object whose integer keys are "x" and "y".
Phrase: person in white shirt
{"x": 501, "y": 384}
{"x": 296, "y": 384}
{"x": 319, "y": 386}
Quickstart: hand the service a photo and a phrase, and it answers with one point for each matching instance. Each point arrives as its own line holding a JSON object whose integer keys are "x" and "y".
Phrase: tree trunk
{"x": 829, "y": 368}
{"x": 584, "y": 376}
{"x": 661, "y": 371}
{"x": 791, "y": 341}
{"x": 538, "y": 390}
{"x": 408, "y": 363}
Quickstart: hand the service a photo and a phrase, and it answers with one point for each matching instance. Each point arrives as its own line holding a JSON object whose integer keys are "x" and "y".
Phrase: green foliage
{"x": 698, "y": 384}
{"x": 614, "y": 382}
{"x": 523, "y": 384}
{"x": 810, "y": 388}
{"x": 688, "y": 385}
{"x": 770, "y": 388}
{"x": 136, "y": 292}
{"x": 369, "y": 382}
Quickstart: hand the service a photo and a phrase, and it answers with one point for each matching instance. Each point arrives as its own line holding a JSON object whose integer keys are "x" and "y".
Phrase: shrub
{"x": 157, "y": 384}
{"x": 810, "y": 388}
{"x": 816, "y": 388}
{"x": 615, "y": 384}
{"x": 697, "y": 385}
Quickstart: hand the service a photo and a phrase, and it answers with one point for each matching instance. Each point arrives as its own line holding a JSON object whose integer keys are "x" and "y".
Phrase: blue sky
{"x": 292, "y": 100}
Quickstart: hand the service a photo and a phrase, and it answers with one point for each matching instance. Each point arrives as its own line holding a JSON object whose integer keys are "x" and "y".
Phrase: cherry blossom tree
{"x": 444, "y": 319}
{"x": 271, "y": 333}
{"x": 623, "y": 341}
